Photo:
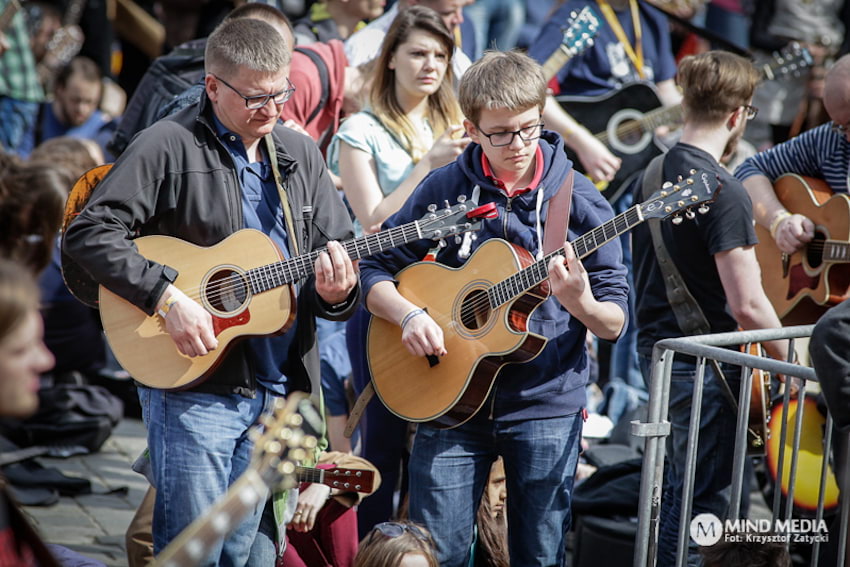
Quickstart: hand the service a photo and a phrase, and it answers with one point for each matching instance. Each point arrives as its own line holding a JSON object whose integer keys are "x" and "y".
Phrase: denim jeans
{"x": 497, "y": 24}
{"x": 449, "y": 469}
{"x": 199, "y": 446}
{"x": 17, "y": 118}
{"x": 715, "y": 452}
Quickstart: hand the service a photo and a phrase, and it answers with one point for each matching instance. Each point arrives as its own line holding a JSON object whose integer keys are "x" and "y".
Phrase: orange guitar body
{"x": 810, "y": 281}
{"x": 447, "y": 391}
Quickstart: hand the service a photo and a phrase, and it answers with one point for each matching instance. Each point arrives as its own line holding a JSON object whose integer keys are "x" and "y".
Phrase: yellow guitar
{"x": 243, "y": 282}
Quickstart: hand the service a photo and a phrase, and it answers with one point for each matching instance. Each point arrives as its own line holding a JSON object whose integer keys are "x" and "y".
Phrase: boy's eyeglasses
{"x": 499, "y": 139}
{"x": 752, "y": 111}
{"x": 259, "y": 101}
{"x": 395, "y": 529}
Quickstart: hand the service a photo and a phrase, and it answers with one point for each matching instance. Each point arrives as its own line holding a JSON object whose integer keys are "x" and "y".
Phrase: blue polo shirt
{"x": 262, "y": 210}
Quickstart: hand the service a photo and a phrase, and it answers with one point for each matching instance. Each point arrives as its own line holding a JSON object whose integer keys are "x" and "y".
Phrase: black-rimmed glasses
{"x": 499, "y": 139}
{"x": 259, "y": 101}
{"x": 838, "y": 128}
{"x": 752, "y": 111}
{"x": 395, "y": 529}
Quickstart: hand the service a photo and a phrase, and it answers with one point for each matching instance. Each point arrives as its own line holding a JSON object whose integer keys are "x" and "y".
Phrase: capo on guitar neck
{"x": 485, "y": 211}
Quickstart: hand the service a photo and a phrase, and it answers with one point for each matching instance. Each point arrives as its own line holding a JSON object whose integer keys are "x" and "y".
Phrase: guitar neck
{"x": 270, "y": 276}
{"x": 191, "y": 545}
{"x": 533, "y": 275}
{"x": 836, "y": 251}
{"x": 555, "y": 61}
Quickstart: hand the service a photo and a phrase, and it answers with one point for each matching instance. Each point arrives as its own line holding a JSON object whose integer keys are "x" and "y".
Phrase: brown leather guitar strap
{"x": 558, "y": 217}
{"x": 284, "y": 200}
{"x": 554, "y": 237}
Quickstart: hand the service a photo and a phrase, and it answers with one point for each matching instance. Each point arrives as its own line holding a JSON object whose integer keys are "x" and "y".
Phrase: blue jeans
{"x": 17, "y": 118}
{"x": 336, "y": 366}
{"x": 198, "y": 447}
{"x": 715, "y": 452}
{"x": 497, "y": 24}
{"x": 449, "y": 469}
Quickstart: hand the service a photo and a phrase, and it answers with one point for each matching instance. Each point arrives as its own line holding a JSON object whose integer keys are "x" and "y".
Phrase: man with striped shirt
{"x": 823, "y": 152}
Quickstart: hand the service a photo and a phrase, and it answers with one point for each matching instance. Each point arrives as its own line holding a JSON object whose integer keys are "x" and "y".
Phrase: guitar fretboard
{"x": 270, "y": 276}
{"x": 524, "y": 280}
{"x": 836, "y": 251}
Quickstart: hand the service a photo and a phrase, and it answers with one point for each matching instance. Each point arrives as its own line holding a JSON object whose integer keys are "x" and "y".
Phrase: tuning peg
{"x": 702, "y": 209}
{"x": 458, "y": 239}
{"x": 432, "y": 207}
{"x": 441, "y": 243}
{"x": 677, "y": 219}
{"x": 447, "y": 204}
{"x": 461, "y": 198}
{"x": 474, "y": 236}
{"x": 690, "y": 214}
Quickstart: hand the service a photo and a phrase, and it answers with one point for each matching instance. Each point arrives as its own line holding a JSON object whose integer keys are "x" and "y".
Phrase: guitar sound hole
{"x": 226, "y": 291}
{"x": 475, "y": 310}
{"x": 814, "y": 250}
{"x": 630, "y": 132}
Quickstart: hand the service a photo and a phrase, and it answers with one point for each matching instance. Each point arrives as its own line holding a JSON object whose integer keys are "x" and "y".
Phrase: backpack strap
{"x": 324, "y": 77}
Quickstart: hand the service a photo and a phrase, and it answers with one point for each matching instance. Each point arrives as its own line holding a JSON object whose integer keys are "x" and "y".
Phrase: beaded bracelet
{"x": 411, "y": 315}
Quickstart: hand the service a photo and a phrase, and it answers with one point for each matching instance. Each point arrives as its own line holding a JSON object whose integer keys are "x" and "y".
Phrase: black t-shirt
{"x": 692, "y": 246}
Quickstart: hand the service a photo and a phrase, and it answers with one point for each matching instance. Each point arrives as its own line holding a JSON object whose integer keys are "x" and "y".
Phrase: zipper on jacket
{"x": 508, "y": 208}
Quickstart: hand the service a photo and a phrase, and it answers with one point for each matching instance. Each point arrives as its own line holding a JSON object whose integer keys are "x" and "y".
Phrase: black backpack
{"x": 167, "y": 77}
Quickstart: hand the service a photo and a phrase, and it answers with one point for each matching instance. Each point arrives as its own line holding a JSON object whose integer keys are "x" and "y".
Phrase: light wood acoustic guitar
{"x": 483, "y": 309}
{"x": 244, "y": 283}
{"x": 803, "y": 285}
{"x": 288, "y": 435}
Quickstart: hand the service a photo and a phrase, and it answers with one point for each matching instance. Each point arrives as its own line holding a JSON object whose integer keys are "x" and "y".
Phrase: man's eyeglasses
{"x": 838, "y": 128}
{"x": 395, "y": 529}
{"x": 752, "y": 111}
{"x": 259, "y": 101}
{"x": 499, "y": 139}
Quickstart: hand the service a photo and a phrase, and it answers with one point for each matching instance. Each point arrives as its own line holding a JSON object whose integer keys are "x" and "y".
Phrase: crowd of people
{"x": 318, "y": 123}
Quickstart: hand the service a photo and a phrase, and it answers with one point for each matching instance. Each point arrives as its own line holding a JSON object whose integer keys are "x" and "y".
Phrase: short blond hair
{"x": 246, "y": 43}
{"x": 502, "y": 79}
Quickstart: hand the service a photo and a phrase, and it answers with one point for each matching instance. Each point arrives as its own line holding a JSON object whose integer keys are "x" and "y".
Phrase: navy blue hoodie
{"x": 552, "y": 384}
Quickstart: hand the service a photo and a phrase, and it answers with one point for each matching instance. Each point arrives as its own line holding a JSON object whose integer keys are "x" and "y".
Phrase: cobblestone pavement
{"x": 94, "y": 524}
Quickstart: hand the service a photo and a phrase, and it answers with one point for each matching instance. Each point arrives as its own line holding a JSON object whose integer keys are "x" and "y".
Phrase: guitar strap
{"x": 558, "y": 217}
{"x": 635, "y": 53}
{"x": 688, "y": 313}
{"x": 554, "y": 237}
{"x": 284, "y": 200}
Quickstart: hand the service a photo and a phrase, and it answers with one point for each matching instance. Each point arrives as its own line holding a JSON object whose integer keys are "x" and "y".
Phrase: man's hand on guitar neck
{"x": 335, "y": 274}
{"x": 189, "y": 324}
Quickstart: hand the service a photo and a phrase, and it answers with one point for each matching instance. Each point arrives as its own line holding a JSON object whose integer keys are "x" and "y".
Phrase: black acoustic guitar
{"x": 625, "y": 120}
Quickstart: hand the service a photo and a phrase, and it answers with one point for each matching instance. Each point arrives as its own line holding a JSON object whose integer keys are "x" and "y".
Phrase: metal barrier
{"x": 656, "y": 428}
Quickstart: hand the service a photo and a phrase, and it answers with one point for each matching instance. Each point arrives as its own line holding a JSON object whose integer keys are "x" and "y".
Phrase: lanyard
{"x": 635, "y": 54}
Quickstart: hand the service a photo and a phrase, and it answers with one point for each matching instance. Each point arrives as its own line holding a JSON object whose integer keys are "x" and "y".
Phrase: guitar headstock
{"x": 792, "y": 60}
{"x": 695, "y": 191}
{"x": 350, "y": 480}
{"x": 580, "y": 30}
{"x": 288, "y": 435}
{"x": 453, "y": 220}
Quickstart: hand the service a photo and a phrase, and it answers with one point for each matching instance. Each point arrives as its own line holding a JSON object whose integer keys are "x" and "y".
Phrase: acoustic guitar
{"x": 289, "y": 434}
{"x": 244, "y": 283}
{"x": 803, "y": 285}
{"x": 483, "y": 309}
{"x": 625, "y": 119}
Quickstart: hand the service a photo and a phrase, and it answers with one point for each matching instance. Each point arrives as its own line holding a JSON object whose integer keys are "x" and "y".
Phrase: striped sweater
{"x": 819, "y": 152}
